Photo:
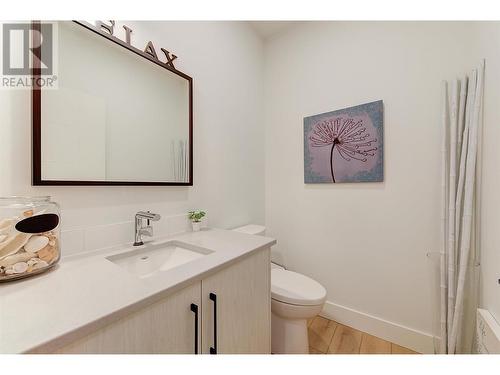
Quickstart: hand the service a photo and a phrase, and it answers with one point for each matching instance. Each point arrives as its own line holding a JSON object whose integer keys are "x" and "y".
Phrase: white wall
{"x": 366, "y": 243}
{"x": 225, "y": 61}
{"x": 488, "y": 36}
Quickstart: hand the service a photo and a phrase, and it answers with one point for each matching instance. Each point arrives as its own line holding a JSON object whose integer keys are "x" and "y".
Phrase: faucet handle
{"x": 148, "y": 215}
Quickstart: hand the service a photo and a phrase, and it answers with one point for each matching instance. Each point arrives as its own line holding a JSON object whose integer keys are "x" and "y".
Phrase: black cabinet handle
{"x": 213, "y": 349}
{"x": 194, "y": 308}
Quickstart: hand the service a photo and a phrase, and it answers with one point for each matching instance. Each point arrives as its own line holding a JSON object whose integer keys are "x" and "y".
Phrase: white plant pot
{"x": 196, "y": 226}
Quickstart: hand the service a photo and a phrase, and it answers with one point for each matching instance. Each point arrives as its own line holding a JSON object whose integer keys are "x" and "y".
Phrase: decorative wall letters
{"x": 149, "y": 49}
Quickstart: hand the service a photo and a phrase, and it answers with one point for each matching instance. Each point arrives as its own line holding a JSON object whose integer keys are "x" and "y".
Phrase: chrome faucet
{"x": 140, "y": 229}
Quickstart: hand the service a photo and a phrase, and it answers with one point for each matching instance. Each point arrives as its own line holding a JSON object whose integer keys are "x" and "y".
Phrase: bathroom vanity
{"x": 204, "y": 292}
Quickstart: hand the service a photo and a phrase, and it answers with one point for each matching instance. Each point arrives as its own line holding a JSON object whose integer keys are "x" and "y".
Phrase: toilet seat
{"x": 296, "y": 289}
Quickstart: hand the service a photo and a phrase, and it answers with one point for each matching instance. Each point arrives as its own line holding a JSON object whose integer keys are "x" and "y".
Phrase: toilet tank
{"x": 258, "y": 230}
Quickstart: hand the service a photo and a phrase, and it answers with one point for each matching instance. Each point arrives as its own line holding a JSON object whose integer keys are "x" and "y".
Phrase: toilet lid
{"x": 296, "y": 289}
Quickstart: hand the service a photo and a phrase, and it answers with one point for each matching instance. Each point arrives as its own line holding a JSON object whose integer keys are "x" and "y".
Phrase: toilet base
{"x": 289, "y": 336}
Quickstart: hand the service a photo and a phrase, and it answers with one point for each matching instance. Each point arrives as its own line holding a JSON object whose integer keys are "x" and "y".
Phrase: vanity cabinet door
{"x": 167, "y": 326}
{"x": 237, "y": 305}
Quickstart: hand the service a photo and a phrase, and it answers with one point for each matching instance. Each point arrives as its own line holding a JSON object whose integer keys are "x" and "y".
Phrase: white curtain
{"x": 461, "y": 120}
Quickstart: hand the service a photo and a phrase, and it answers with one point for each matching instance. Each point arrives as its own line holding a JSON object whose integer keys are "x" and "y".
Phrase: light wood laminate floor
{"x": 329, "y": 337}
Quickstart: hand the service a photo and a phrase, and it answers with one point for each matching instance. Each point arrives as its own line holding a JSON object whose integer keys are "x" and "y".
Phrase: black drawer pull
{"x": 213, "y": 349}
{"x": 194, "y": 308}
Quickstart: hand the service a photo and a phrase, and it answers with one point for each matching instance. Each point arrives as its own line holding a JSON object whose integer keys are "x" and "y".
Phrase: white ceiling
{"x": 266, "y": 29}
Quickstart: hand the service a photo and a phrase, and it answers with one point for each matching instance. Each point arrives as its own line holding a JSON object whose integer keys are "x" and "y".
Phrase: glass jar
{"x": 29, "y": 236}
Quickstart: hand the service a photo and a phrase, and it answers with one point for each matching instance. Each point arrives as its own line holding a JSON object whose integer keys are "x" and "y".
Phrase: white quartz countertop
{"x": 86, "y": 292}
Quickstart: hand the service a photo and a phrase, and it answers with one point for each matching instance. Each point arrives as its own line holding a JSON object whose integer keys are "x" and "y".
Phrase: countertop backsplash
{"x": 84, "y": 239}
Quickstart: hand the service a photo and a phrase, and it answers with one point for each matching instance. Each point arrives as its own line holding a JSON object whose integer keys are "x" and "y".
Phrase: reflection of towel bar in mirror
{"x": 114, "y": 119}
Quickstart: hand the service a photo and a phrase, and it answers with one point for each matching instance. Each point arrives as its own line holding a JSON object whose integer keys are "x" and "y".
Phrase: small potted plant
{"x": 195, "y": 217}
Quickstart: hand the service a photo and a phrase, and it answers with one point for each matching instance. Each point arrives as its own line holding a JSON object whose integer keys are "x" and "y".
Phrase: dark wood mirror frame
{"x": 37, "y": 117}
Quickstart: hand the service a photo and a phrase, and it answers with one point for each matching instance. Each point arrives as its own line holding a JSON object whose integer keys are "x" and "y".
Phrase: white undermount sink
{"x": 150, "y": 260}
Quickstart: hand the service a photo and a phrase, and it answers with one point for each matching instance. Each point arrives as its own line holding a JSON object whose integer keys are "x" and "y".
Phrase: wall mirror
{"x": 117, "y": 117}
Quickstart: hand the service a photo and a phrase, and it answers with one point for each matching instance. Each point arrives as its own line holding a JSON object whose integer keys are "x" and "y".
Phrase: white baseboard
{"x": 421, "y": 342}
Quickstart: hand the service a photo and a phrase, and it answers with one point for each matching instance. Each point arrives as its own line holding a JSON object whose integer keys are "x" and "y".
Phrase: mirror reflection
{"x": 115, "y": 116}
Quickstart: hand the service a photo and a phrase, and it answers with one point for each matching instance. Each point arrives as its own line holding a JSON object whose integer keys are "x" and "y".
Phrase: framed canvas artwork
{"x": 346, "y": 145}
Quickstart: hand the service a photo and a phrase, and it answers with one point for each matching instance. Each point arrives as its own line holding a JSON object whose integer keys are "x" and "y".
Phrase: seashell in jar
{"x": 33, "y": 261}
{"x": 20, "y": 267}
{"x": 50, "y": 235}
{"x": 40, "y": 264}
{"x": 48, "y": 253}
{"x": 15, "y": 258}
{"x": 13, "y": 244}
{"x": 6, "y": 226}
{"x": 36, "y": 243}
{"x": 28, "y": 213}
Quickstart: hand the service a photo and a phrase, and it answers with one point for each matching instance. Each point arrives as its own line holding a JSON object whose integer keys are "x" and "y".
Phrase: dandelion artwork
{"x": 345, "y": 145}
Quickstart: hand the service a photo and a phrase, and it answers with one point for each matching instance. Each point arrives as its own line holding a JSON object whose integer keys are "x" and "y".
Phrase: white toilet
{"x": 294, "y": 299}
